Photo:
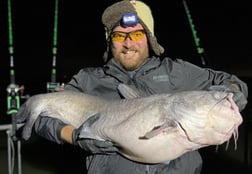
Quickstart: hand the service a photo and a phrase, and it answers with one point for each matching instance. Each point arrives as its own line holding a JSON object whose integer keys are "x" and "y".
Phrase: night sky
{"x": 224, "y": 29}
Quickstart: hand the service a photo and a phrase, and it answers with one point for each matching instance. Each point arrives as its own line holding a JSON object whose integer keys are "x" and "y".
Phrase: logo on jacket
{"x": 161, "y": 78}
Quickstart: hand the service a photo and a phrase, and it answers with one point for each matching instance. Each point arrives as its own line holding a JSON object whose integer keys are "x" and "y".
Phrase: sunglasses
{"x": 120, "y": 36}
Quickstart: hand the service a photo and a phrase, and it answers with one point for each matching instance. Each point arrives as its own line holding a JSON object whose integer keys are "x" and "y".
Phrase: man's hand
{"x": 92, "y": 145}
{"x": 239, "y": 98}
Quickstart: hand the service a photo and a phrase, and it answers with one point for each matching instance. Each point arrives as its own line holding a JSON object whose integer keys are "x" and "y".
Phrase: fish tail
{"x": 20, "y": 117}
{"x": 23, "y": 116}
{"x": 27, "y": 129}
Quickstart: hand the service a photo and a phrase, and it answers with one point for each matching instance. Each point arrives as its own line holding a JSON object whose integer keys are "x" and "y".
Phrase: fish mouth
{"x": 229, "y": 98}
{"x": 234, "y": 117}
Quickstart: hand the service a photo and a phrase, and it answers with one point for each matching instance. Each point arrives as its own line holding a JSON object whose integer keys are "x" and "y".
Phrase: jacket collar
{"x": 114, "y": 69}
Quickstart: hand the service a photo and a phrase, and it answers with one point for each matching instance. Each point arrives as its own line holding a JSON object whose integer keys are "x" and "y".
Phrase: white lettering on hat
{"x": 129, "y": 18}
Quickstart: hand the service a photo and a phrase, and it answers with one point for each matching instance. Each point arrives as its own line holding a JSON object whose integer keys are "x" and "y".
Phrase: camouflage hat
{"x": 112, "y": 16}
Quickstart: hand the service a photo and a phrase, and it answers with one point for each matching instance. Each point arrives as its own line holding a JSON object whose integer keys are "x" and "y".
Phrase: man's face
{"x": 129, "y": 46}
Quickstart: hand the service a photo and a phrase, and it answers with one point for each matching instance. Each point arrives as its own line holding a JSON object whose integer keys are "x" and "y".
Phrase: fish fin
{"x": 86, "y": 132}
{"x": 167, "y": 127}
{"x": 127, "y": 92}
{"x": 50, "y": 113}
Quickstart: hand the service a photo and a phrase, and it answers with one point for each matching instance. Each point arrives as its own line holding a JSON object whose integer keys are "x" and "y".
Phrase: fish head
{"x": 208, "y": 117}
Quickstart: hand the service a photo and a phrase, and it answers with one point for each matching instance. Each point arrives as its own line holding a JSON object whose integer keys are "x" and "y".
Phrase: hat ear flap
{"x": 156, "y": 47}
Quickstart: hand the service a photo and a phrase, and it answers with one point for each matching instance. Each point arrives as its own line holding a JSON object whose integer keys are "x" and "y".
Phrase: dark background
{"x": 224, "y": 28}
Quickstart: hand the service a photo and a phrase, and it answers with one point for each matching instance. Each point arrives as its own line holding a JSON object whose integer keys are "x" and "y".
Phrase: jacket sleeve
{"x": 197, "y": 77}
{"x": 49, "y": 128}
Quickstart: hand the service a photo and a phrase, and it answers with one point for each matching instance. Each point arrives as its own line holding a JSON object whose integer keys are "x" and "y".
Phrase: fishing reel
{"x": 14, "y": 94}
{"x": 55, "y": 87}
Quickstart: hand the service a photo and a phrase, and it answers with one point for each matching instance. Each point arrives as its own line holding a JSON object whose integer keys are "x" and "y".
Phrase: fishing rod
{"x": 53, "y": 85}
{"x": 200, "y": 49}
{"x": 13, "y": 103}
{"x": 13, "y": 98}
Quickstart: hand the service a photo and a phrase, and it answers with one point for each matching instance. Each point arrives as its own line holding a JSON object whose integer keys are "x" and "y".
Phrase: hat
{"x": 112, "y": 15}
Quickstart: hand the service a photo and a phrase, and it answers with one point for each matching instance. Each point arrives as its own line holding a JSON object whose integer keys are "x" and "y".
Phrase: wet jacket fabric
{"x": 155, "y": 76}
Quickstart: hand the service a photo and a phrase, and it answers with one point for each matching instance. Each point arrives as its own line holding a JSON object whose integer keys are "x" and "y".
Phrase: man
{"x": 133, "y": 57}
